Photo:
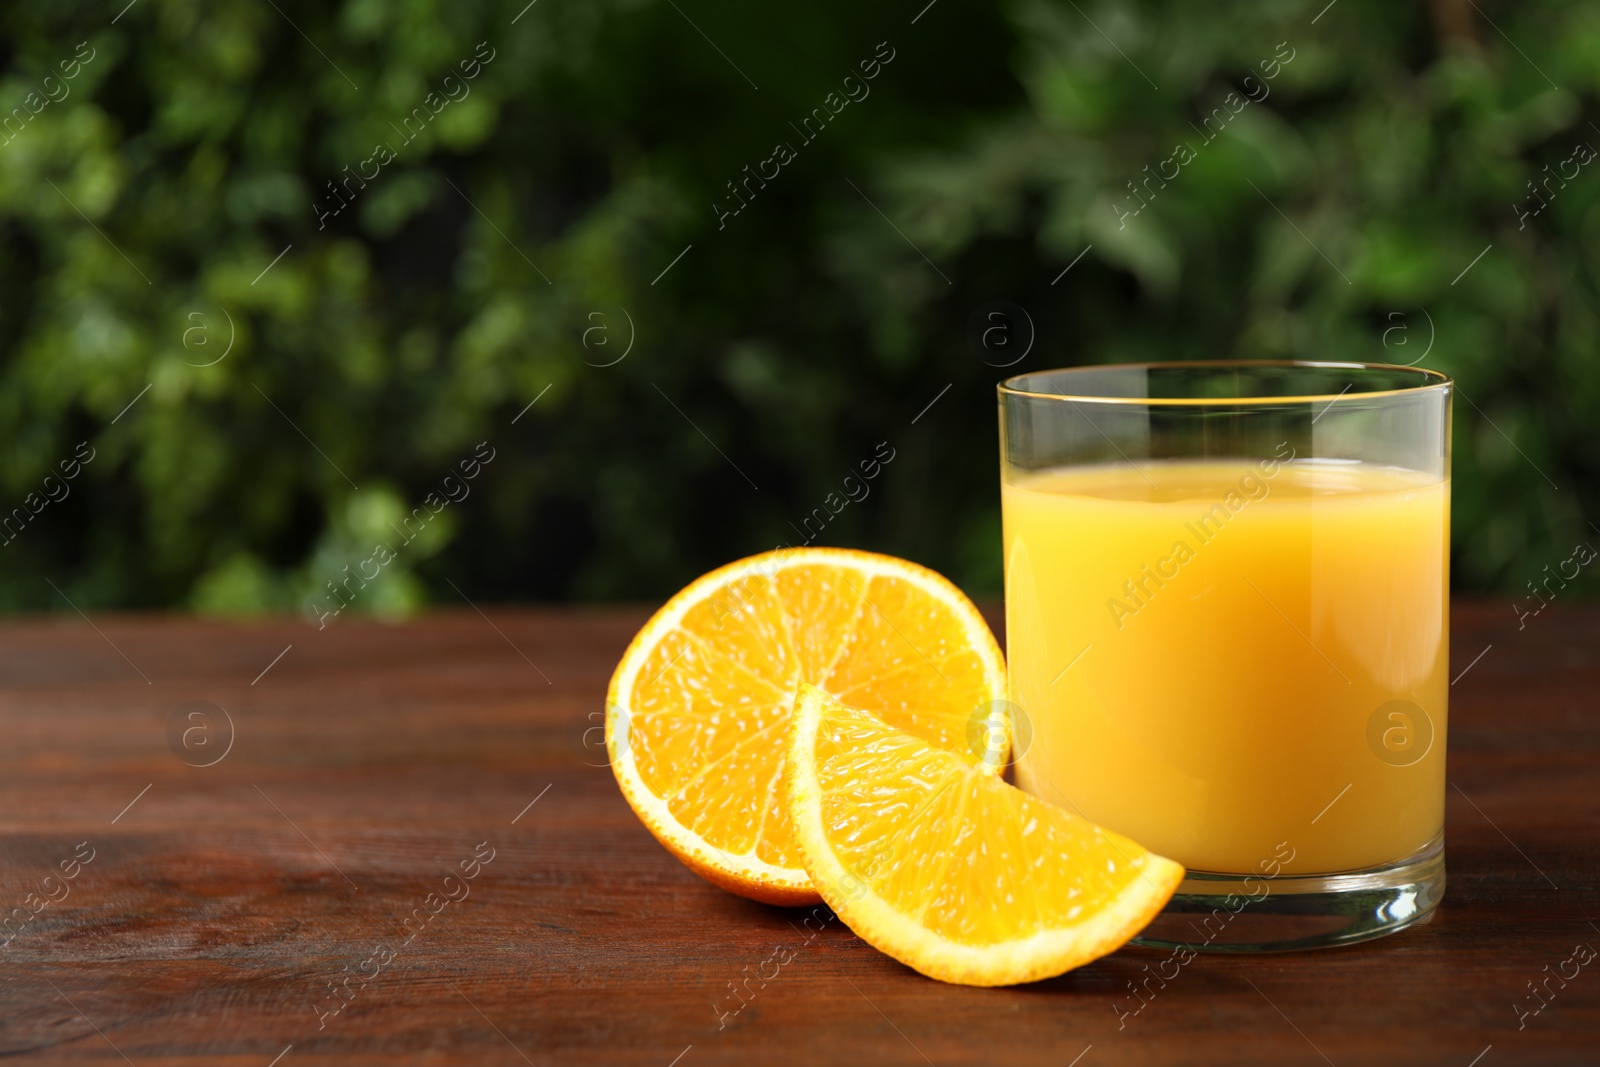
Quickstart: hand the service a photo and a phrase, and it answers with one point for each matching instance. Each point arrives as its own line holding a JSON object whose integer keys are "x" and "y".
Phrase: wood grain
{"x": 369, "y": 761}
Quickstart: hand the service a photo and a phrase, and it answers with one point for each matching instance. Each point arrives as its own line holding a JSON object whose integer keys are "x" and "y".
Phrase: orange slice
{"x": 951, "y": 871}
{"x": 697, "y": 715}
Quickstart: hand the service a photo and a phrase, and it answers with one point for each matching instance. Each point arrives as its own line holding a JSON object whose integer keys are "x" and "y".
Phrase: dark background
{"x": 288, "y": 413}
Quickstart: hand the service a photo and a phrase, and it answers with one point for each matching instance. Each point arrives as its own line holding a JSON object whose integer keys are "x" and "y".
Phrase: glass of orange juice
{"x": 1227, "y": 608}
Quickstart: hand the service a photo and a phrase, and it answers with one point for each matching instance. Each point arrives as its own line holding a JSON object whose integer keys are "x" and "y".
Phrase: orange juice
{"x": 1218, "y": 656}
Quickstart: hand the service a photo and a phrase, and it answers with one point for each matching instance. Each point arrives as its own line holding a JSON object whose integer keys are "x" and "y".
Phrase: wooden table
{"x": 219, "y": 904}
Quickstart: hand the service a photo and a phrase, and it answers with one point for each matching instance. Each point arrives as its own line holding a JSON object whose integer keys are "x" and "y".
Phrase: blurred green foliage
{"x": 159, "y": 208}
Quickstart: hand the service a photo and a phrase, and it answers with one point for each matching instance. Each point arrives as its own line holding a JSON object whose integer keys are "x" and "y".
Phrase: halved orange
{"x": 697, "y": 714}
{"x": 951, "y": 871}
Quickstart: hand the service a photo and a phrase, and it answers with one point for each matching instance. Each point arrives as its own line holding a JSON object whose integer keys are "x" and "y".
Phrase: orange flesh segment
{"x": 951, "y": 870}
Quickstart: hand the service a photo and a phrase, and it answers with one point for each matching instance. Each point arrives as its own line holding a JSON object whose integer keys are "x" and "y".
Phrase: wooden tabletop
{"x": 407, "y": 848}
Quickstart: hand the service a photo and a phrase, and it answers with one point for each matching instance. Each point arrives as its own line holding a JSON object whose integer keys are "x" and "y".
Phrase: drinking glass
{"x": 1227, "y": 620}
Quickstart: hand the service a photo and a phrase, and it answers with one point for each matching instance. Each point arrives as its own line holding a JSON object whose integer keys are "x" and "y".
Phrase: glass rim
{"x": 1427, "y": 379}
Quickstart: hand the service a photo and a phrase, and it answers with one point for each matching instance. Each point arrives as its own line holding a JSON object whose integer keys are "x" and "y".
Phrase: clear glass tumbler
{"x": 1227, "y": 620}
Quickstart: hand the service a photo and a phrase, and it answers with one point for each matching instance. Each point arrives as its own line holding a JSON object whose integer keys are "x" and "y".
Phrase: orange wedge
{"x": 949, "y": 870}
{"x": 697, "y": 715}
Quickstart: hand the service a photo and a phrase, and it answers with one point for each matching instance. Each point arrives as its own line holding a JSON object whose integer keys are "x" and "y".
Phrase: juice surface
{"x": 1209, "y": 653}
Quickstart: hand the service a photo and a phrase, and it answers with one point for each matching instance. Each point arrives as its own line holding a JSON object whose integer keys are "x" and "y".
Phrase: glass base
{"x": 1235, "y": 913}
